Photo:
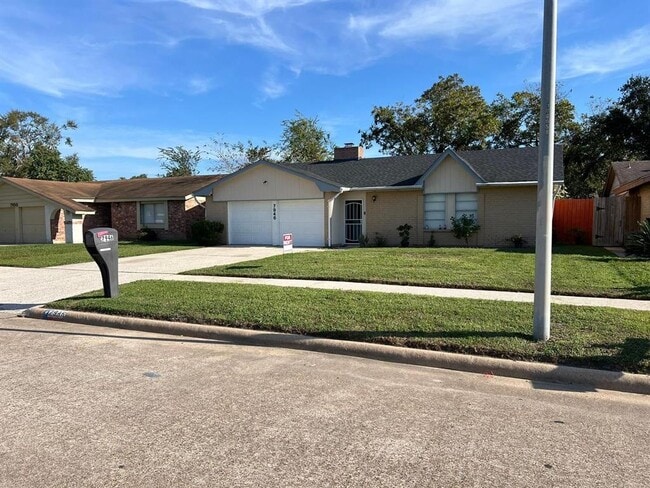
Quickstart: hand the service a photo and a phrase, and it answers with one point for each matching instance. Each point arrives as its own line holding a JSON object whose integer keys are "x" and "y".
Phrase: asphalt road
{"x": 85, "y": 406}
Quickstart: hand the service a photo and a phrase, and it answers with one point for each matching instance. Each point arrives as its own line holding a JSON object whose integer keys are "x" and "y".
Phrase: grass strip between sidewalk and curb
{"x": 577, "y": 270}
{"x": 46, "y": 255}
{"x": 602, "y": 338}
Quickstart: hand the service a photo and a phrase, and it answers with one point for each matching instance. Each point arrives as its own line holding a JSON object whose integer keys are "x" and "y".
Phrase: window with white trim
{"x": 153, "y": 214}
{"x": 466, "y": 203}
{"x": 435, "y": 211}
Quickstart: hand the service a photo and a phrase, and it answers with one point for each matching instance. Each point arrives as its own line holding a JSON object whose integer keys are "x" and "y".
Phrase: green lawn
{"x": 577, "y": 270}
{"x": 44, "y": 255}
{"x": 581, "y": 336}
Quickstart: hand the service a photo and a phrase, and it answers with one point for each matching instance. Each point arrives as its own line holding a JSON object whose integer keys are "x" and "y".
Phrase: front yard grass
{"x": 580, "y": 336}
{"x": 577, "y": 270}
{"x": 44, "y": 255}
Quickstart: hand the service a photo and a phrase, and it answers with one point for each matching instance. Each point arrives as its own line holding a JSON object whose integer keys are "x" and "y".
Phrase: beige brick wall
{"x": 644, "y": 193}
{"x": 392, "y": 209}
{"x": 504, "y": 212}
{"x": 218, "y": 212}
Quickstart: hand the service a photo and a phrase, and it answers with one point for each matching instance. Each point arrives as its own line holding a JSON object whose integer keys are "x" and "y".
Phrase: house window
{"x": 466, "y": 203}
{"x": 435, "y": 211}
{"x": 153, "y": 214}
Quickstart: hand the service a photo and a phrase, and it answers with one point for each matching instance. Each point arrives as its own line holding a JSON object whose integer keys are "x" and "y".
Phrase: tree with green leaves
{"x": 303, "y": 140}
{"x": 618, "y": 131}
{"x": 231, "y": 156}
{"x": 179, "y": 161}
{"x": 449, "y": 114}
{"x": 519, "y": 115}
{"x": 29, "y": 148}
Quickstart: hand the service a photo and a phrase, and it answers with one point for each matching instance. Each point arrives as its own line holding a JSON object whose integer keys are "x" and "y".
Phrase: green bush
{"x": 380, "y": 241}
{"x": 464, "y": 227}
{"x": 432, "y": 240}
{"x": 639, "y": 242}
{"x": 147, "y": 235}
{"x": 207, "y": 232}
{"x": 517, "y": 240}
{"x": 363, "y": 241}
{"x": 404, "y": 233}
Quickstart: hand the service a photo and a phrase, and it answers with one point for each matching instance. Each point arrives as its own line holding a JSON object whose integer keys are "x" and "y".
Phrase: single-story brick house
{"x": 630, "y": 178}
{"x": 333, "y": 203}
{"x": 41, "y": 211}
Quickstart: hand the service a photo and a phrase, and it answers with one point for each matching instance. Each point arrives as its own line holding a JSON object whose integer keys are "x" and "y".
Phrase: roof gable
{"x": 626, "y": 175}
{"x": 323, "y": 184}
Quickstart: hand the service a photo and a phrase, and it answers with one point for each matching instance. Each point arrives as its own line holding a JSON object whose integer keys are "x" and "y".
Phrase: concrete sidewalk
{"x": 22, "y": 288}
{"x": 508, "y": 296}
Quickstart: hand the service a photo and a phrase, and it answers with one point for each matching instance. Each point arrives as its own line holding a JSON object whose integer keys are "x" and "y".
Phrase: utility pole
{"x": 544, "y": 229}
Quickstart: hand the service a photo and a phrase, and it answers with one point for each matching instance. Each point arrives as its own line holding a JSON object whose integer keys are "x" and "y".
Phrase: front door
{"x": 353, "y": 221}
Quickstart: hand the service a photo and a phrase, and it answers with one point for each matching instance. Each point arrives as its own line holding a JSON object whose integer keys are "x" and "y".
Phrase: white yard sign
{"x": 287, "y": 242}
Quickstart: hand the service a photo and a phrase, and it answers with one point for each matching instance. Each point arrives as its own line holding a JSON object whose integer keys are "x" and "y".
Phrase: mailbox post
{"x": 101, "y": 244}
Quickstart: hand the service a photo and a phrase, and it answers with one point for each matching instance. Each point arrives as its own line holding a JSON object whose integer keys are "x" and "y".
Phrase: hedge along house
{"x": 334, "y": 203}
{"x": 40, "y": 211}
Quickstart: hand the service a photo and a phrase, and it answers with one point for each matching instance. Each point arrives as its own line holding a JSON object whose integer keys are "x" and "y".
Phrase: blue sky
{"x": 141, "y": 74}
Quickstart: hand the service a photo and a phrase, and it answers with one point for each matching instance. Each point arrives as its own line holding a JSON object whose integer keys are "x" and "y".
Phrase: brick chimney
{"x": 348, "y": 152}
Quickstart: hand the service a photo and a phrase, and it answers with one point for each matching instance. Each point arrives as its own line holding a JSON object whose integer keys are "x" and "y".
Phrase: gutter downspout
{"x": 330, "y": 210}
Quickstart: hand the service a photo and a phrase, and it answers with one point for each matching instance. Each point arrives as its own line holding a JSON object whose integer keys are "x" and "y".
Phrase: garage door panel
{"x": 7, "y": 226}
{"x": 33, "y": 224}
{"x": 250, "y": 223}
{"x": 304, "y": 219}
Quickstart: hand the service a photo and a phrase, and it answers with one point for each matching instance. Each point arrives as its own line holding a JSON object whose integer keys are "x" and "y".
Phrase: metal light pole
{"x": 544, "y": 230}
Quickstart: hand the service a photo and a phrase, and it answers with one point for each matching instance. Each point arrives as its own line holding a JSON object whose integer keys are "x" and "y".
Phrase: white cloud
{"x": 618, "y": 54}
{"x": 507, "y": 24}
{"x": 249, "y": 8}
{"x": 198, "y": 85}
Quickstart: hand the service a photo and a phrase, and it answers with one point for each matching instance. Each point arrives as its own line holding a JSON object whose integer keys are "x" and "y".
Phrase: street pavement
{"x": 88, "y": 406}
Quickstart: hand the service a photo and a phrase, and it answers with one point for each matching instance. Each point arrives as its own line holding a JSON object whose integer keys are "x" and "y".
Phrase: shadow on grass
{"x": 242, "y": 267}
{"x": 358, "y": 335}
{"x": 636, "y": 292}
{"x": 628, "y": 355}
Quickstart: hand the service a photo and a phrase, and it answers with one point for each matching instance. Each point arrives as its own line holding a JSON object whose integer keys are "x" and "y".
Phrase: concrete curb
{"x": 607, "y": 380}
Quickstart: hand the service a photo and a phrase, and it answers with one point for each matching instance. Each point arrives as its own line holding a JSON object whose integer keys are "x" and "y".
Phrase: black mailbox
{"x": 101, "y": 243}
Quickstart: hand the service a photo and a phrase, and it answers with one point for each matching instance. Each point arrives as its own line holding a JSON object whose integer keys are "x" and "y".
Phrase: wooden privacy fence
{"x": 600, "y": 221}
{"x": 573, "y": 221}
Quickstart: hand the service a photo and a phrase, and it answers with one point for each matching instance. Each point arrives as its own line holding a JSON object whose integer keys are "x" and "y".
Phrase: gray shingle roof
{"x": 630, "y": 174}
{"x": 493, "y": 165}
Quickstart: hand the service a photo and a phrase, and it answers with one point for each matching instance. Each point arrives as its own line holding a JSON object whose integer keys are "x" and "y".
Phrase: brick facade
{"x": 502, "y": 213}
{"x": 102, "y": 217}
{"x": 180, "y": 216}
{"x": 392, "y": 209}
{"x": 57, "y": 227}
{"x": 124, "y": 219}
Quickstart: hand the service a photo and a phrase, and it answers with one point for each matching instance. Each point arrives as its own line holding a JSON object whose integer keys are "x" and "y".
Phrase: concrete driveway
{"x": 21, "y": 288}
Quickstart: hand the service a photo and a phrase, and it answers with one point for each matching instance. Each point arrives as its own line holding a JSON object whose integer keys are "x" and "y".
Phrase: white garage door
{"x": 253, "y": 222}
{"x": 7, "y": 226}
{"x": 305, "y": 220}
{"x": 33, "y": 224}
{"x": 250, "y": 223}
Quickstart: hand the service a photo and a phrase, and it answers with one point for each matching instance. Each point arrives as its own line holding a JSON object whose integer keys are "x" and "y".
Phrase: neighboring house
{"x": 333, "y": 203}
{"x": 40, "y": 211}
{"x": 631, "y": 178}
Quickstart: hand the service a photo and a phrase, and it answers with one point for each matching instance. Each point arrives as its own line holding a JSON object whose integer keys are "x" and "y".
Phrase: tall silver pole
{"x": 543, "y": 238}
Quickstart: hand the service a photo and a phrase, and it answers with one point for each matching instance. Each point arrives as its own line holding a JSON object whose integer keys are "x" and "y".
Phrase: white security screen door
{"x": 353, "y": 220}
